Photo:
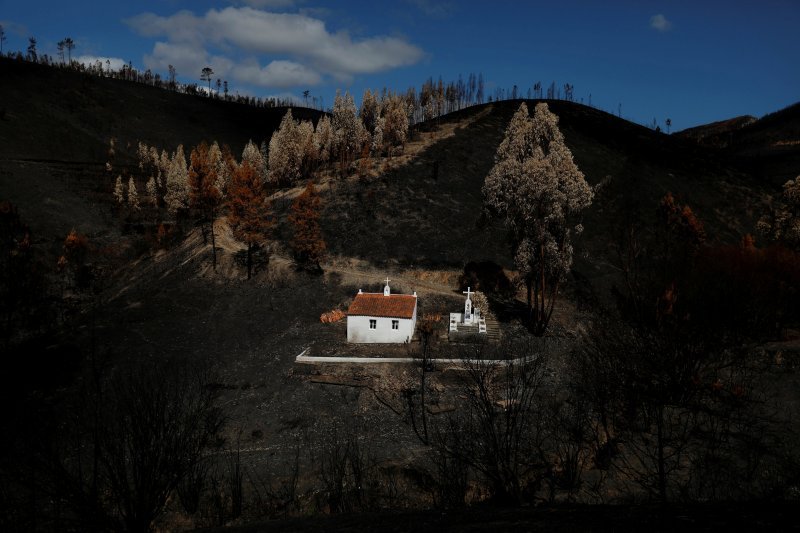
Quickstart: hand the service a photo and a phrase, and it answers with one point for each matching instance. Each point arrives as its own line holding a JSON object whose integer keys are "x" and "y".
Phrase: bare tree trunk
{"x": 213, "y": 241}
{"x": 540, "y": 310}
{"x": 662, "y": 474}
{"x": 529, "y": 287}
{"x": 422, "y": 385}
{"x": 553, "y": 296}
{"x": 249, "y": 260}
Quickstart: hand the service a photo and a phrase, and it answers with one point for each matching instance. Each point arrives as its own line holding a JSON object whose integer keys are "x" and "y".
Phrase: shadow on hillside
{"x": 418, "y": 217}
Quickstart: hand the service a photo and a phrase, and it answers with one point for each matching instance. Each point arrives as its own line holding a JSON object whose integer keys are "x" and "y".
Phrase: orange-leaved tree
{"x": 658, "y": 265}
{"x": 307, "y": 242}
{"x": 73, "y": 263}
{"x": 204, "y": 194}
{"x": 249, "y": 215}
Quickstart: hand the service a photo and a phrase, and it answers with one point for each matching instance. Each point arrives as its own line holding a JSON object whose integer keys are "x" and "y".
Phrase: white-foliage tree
{"x": 783, "y": 224}
{"x": 163, "y": 165}
{"x": 348, "y": 131}
{"x": 285, "y": 152}
{"x": 323, "y": 138}
{"x": 177, "y": 195}
{"x": 119, "y": 191}
{"x": 537, "y": 189}
{"x": 155, "y": 160}
{"x": 152, "y": 191}
{"x": 143, "y": 153}
{"x": 133, "y": 196}
{"x": 308, "y": 147}
{"x": 427, "y": 100}
{"x": 377, "y": 136}
{"x": 395, "y": 121}
{"x": 222, "y": 170}
{"x": 369, "y": 111}
{"x": 252, "y": 155}
{"x": 150, "y": 162}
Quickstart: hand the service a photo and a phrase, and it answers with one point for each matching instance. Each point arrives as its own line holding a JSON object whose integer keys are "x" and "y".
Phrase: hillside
{"x": 399, "y": 220}
{"x": 57, "y": 114}
{"x": 55, "y": 127}
{"x": 57, "y": 123}
{"x": 406, "y": 216}
{"x": 767, "y": 148}
{"x": 716, "y": 134}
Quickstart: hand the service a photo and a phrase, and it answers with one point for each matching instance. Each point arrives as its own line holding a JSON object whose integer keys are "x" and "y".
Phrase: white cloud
{"x": 187, "y": 59}
{"x": 299, "y": 47}
{"x": 278, "y": 73}
{"x": 114, "y": 62}
{"x": 659, "y": 22}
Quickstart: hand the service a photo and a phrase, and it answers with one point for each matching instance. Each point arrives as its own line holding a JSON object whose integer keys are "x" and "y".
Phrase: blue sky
{"x": 694, "y": 62}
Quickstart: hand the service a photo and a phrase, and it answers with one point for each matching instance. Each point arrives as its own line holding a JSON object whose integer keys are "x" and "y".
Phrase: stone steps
{"x": 492, "y": 334}
{"x": 492, "y": 329}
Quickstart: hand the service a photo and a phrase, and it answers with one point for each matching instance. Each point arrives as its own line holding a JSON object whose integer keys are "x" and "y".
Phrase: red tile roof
{"x": 392, "y": 306}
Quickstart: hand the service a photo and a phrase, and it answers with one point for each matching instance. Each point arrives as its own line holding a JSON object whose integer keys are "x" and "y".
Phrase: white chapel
{"x": 382, "y": 317}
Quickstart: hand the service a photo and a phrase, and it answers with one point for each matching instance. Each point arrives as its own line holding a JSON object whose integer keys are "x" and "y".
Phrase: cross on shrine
{"x": 467, "y": 292}
{"x": 387, "y": 280}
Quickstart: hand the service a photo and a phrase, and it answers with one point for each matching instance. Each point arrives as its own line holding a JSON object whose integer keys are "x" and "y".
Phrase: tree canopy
{"x": 536, "y": 188}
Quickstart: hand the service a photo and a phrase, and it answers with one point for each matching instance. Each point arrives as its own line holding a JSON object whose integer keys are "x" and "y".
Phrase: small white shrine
{"x": 382, "y": 317}
{"x": 471, "y": 320}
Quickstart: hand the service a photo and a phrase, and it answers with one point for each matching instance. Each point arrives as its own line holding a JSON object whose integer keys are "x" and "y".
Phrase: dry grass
{"x": 447, "y": 278}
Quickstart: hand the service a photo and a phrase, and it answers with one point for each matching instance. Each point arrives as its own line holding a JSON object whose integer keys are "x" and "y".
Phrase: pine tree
{"x": 536, "y": 187}
{"x": 177, "y": 195}
{"x": 249, "y": 210}
{"x": 285, "y": 152}
{"x": 782, "y": 225}
{"x": 253, "y": 156}
{"x": 369, "y": 112}
{"x": 323, "y": 138}
{"x": 69, "y": 45}
{"x": 150, "y": 162}
{"x": 119, "y": 191}
{"x": 74, "y": 259}
{"x": 152, "y": 191}
{"x": 308, "y": 148}
{"x": 395, "y": 122}
{"x": 307, "y": 242}
{"x": 163, "y": 168}
{"x": 133, "y": 196}
{"x": 348, "y": 131}
{"x": 205, "y": 197}
{"x": 377, "y": 137}
{"x": 32, "y": 55}
{"x": 222, "y": 162}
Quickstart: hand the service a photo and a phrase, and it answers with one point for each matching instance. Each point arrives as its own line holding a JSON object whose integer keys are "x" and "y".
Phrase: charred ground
{"x": 401, "y": 219}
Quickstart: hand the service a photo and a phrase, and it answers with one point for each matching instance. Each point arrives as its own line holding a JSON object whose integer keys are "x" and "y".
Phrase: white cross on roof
{"x": 467, "y": 292}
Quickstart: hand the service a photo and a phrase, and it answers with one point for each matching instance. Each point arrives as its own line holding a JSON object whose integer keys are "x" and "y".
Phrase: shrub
{"x": 332, "y": 316}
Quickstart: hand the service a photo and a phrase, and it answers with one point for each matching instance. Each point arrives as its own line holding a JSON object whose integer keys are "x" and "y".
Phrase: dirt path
{"x": 369, "y": 274}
